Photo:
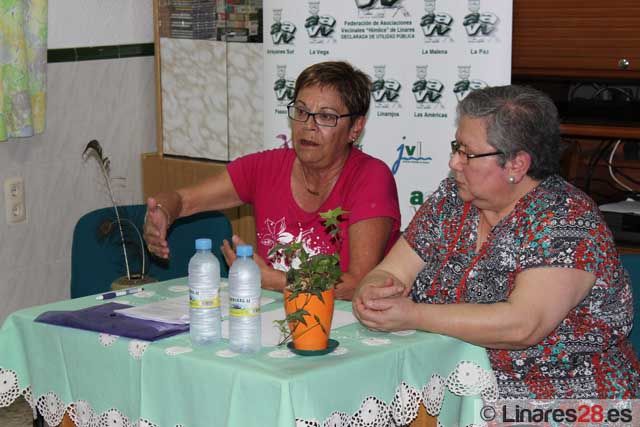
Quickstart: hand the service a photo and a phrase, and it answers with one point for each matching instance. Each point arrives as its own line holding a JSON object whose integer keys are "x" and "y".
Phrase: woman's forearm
{"x": 171, "y": 204}
{"x": 496, "y": 325}
{"x": 273, "y": 280}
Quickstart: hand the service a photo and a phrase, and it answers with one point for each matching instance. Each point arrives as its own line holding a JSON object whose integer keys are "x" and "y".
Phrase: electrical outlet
{"x": 14, "y": 200}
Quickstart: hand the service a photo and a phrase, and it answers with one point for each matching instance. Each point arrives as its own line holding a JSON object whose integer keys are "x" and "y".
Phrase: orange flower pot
{"x": 311, "y": 336}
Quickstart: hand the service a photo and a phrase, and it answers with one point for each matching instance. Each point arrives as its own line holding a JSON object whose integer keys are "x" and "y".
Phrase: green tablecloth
{"x": 371, "y": 379}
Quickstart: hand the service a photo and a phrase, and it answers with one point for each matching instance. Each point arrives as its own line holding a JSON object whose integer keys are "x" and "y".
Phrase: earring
{"x": 512, "y": 180}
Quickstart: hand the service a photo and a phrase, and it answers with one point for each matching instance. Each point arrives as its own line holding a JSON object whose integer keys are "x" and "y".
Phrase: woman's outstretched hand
{"x": 156, "y": 224}
{"x": 272, "y": 279}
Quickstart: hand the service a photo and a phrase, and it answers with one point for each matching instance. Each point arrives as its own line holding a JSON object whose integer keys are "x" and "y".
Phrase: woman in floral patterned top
{"x": 507, "y": 255}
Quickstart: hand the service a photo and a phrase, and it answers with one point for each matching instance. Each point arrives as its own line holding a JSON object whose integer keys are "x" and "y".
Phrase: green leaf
{"x": 318, "y": 293}
{"x": 315, "y": 316}
{"x": 298, "y": 316}
{"x": 333, "y": 213}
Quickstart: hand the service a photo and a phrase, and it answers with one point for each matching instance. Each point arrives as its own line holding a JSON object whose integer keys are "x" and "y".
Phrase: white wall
{"x": 112, "y": 101}
{"x": 76, "y": 23}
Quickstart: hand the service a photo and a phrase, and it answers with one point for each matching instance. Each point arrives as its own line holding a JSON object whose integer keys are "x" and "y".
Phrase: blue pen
{"x": 113, "y": 294}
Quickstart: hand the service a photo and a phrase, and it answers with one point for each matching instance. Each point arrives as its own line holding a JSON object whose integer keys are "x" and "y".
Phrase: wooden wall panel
{"x": 161, "y": 173}
{"x": 579, "y": 38}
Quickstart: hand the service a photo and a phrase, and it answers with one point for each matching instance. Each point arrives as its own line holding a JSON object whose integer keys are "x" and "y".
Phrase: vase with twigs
{"x": 120, "y": 224}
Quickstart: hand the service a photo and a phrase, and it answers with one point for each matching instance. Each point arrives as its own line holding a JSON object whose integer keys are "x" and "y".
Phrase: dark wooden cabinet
{"x": 602, "y": 131}
{"x": 577, "y": 38}
{"x": 578, "y": 51}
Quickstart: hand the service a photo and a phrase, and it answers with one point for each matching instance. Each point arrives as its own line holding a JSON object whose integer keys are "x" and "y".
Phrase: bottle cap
{"x": 244, "y": 250}
{"x": 203, "y": 244}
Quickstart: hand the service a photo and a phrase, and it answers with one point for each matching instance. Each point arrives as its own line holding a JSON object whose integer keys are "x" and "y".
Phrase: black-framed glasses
{"x": 322, "y": 119}
{"x": 456, "y": 148}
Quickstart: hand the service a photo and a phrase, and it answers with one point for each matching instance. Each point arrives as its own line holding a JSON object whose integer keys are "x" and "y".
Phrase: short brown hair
{"x": 353, "y": 86}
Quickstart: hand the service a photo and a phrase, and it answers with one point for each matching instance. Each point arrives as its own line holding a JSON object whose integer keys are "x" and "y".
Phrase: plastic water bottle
{"x": 244, "y": 303}
{"x": 204, "y": 295}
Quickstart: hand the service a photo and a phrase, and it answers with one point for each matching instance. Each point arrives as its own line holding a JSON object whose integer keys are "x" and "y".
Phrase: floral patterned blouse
{"x": 554, "y": 225}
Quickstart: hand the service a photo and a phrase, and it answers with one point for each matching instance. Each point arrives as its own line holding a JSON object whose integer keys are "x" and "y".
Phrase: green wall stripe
{"x": 100, "y": 52}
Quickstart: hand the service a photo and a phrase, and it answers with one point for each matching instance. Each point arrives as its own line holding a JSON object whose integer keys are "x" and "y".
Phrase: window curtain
{"x": 23, "y": 67}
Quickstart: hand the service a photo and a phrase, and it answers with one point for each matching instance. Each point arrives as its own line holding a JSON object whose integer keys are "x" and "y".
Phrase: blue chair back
{"x": 631, "y": 263}
{"x": 97, "y": 255}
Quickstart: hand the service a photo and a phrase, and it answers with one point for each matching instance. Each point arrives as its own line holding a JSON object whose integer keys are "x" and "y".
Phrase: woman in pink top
{"x": 289, "y": 187}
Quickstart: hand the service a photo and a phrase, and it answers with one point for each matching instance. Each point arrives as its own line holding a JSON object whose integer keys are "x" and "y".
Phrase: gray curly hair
{"x": 518, "y": 118}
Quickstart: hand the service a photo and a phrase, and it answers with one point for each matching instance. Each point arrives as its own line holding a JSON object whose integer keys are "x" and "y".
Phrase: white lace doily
{"x": 176, "y": 350}
{"x": 372, "y": 412}
{"x": 467, "y": 379}
{"x": 52, "y": 408}
{"x": 9, "y": 390}
{"x": 137, "y": 348}
{"x": 113, "y": 418}
{"x": 433, "y": 394}
{"x": 281, "y": 353}
{"x": 404, "y": 333}
{"x": 339, "y": 351}
{"x": 376, "y": 341}
{"x": 337, "y": 419}
{"x": 107, "y": 340}
{"x": 144, "y": 294}
{"x": 226, "y": 353}
{"x": 81, "y": 413}
{"x": 405, "y": 404}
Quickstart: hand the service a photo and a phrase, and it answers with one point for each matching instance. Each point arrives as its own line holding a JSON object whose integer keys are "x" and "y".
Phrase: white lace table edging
{"x": 467, "y": 379}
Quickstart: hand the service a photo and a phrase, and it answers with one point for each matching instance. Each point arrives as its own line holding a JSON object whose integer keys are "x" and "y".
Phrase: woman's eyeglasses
{"x": 322, "y": 119}
{"x": 456, "y": 148}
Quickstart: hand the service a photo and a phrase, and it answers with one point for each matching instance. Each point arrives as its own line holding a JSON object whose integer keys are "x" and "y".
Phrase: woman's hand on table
{"x": 394, "y": 313}
{"x": 375, "y": 292}
{"x": 272, "y": 279}
{"x": 156, "y": 224}
{"x": 381, "y": 299}
{"x": 345, "y": 289}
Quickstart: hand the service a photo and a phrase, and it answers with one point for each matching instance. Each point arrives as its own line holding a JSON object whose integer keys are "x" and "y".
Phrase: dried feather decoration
{"x": 93, "y": 149}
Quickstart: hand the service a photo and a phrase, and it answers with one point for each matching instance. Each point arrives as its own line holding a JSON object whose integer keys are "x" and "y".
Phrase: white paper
{"x": 176, "y": 310}
{"x": 171, "y": 310}
{"x": 271, "y": 333}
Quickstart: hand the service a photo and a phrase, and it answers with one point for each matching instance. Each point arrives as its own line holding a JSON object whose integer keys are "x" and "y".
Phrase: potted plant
{"x": 309, "y": 293}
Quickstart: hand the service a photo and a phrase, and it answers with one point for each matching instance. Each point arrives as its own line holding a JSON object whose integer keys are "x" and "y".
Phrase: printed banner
{"x": 423, "y": 57}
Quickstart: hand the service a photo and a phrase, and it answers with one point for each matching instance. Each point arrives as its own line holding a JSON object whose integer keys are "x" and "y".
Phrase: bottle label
{"x": 204, "y": 298}
{"x": 244, "y": 307}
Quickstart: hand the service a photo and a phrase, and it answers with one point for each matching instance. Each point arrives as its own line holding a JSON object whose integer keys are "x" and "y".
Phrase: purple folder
{"x": 104, "y": 318}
